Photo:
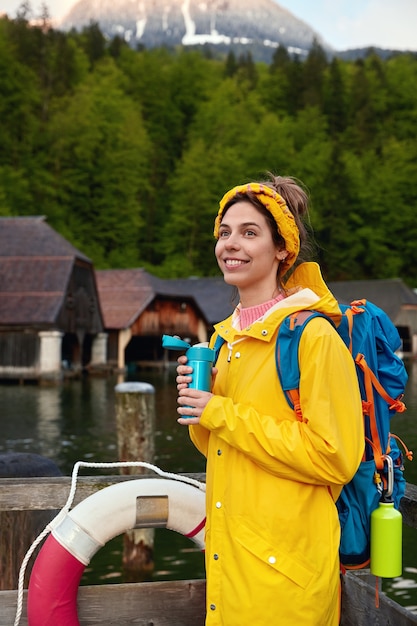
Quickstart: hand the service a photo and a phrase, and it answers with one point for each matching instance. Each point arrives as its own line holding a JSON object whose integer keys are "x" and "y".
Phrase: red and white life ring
{"x": 147, "y": 502}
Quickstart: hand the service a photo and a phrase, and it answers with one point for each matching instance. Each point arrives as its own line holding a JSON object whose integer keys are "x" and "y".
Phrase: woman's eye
{"x": 250, "y": 233}
{"x": 223, "y": 233}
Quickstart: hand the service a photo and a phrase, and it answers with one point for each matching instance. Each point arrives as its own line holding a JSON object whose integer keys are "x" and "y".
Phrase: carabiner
{"x": 390, "y": 476}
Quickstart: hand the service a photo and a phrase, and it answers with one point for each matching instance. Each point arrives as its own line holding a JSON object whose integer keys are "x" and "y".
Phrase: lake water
{"x": 75, "y": 421}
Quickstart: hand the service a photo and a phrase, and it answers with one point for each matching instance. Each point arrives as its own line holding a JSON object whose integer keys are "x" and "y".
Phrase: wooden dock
{"x": 174, "y": 603}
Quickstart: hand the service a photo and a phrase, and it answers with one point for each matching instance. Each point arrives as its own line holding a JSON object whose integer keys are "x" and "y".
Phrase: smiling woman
{"x": 266, "y": 561}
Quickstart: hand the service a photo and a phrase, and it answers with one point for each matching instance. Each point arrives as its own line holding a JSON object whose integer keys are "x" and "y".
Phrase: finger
{"x": 189, "y": 407}
{"x": 186, "y": 405}
{"x": 184, "y": 378}
{"x": 194, "y": 394}
{"x": 182, "y": 383}
{"x": 186, "y": 421}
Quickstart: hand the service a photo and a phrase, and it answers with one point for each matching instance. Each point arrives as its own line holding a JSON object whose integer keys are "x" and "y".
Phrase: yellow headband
{"x": 276, "y": 205}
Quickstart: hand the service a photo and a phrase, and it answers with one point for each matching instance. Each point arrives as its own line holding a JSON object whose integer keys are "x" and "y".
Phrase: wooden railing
{"x": 174, "y": 603}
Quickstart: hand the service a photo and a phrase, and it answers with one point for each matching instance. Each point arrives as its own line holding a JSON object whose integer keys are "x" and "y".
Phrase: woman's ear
{"x": 282, "y": 254}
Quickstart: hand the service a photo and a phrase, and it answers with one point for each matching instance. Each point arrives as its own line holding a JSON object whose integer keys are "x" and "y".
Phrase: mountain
{"x": 258, "y": 26}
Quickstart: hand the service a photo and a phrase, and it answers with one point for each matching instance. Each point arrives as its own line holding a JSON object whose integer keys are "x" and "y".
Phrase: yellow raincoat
{"x": 272, "y": 532}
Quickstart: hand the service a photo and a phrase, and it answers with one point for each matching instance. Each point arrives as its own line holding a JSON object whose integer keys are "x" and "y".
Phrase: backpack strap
{"x": 286, "y": 355}
{"x": 368, "y": 407}
{"x": 218, "y": 342}
{"x": 371, "y": 383}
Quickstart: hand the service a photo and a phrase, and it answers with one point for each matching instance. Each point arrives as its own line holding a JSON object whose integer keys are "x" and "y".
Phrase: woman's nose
{"x": 232, "y": 242}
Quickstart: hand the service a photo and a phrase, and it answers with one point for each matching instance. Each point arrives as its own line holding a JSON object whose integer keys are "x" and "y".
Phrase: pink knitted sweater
{"x": 250, "y": 314}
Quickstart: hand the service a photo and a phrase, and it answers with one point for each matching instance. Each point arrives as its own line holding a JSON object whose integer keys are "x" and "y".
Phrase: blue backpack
{"x": 372, "y": 339}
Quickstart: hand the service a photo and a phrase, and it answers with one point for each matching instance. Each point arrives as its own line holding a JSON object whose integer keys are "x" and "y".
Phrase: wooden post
{"x": 135, "y": 420}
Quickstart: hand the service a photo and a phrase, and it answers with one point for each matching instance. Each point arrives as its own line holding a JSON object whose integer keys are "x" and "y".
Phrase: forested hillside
{"x": 128, "y": 152}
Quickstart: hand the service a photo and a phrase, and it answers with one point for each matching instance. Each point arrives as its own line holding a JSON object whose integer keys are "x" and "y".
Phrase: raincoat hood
{"x": 306, "y": 289}
{"x": 308, "y": 276}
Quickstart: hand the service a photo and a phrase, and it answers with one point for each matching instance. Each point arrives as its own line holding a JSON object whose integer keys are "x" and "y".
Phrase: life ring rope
{"x": 68, "y": 521}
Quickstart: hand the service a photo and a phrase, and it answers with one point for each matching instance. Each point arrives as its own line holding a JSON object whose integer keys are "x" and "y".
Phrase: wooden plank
{"x": 408, "y": 506}
{"x": 144, "y": 604}
{"x": 154, "y": 604}
{"x": 45, "y": 493}
{"x": 359, "y": 604}
{"x": 183, "y": 603}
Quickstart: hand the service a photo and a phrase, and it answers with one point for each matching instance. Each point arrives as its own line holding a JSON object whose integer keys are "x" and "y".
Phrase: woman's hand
{"x": 191, "y": 401}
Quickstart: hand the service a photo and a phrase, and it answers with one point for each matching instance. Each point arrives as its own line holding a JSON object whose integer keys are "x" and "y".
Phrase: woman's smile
{"x": 231, "y": 263}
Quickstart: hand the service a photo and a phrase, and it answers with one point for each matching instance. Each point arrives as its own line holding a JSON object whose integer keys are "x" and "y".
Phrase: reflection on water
{"x": 76, "y": 421}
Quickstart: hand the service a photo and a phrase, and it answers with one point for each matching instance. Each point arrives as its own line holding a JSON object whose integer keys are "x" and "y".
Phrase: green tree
{"x": 295, "y": 74}
{"x": 340, "y": 218}
{"x": 19, "y": 127}
{"x": 246, "y": 70}
{"x": 230, "y": 66}
{"x": 93, "y": 43}
{"x": 393, "y": 201}
{"x": 401, "y": 78}
{"x": 203, "y": 175}
{"x": 335, "y": 99}
{"x": 98, "y": 155}
{"x": 362, "y": 122}
{"x": 313, "y": 76}
{"x": 274, "y": 85}
{"x": 169, "y": 89}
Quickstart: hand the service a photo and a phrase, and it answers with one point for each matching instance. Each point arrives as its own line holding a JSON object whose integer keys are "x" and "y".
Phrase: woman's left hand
{"x": 192, "y": 403}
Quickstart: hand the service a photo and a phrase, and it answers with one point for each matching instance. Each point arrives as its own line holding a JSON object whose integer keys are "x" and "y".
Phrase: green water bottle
{"x": 386, "y": 536}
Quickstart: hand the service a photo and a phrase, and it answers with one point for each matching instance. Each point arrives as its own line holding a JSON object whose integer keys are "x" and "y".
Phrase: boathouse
{"x": 391, "y": 295}
{"x": 50, "y": 316}
{"x": 138, "y": 309}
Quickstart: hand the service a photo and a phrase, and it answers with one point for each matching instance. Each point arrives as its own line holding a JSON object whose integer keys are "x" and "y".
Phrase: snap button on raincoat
{"x": 272, "y": 532}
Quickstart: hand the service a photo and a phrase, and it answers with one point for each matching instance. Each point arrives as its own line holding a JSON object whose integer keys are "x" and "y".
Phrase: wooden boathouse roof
{"x": 39, "y": 270}
{"x": 126, "y": 293}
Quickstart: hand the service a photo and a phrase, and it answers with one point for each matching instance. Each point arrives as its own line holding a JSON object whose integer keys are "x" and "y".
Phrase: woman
{"x": 272, "y": 531}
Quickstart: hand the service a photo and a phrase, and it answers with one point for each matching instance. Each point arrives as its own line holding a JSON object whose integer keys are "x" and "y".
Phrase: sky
{"x": 357, "y": 23}
{"x": 342, "y": 23}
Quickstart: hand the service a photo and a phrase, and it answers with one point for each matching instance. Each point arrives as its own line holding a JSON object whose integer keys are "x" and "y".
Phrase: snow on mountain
{"x": 254, "y": 24}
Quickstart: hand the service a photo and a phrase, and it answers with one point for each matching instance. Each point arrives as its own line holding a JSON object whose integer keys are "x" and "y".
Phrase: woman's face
{"x": 247, "y": 255}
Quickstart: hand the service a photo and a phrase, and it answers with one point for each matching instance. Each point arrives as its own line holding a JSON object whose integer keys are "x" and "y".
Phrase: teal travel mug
{"x": 200, "y": 358}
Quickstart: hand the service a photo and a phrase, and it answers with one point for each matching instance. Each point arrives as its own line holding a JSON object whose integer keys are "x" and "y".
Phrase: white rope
{"x": 57, "y": 519}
